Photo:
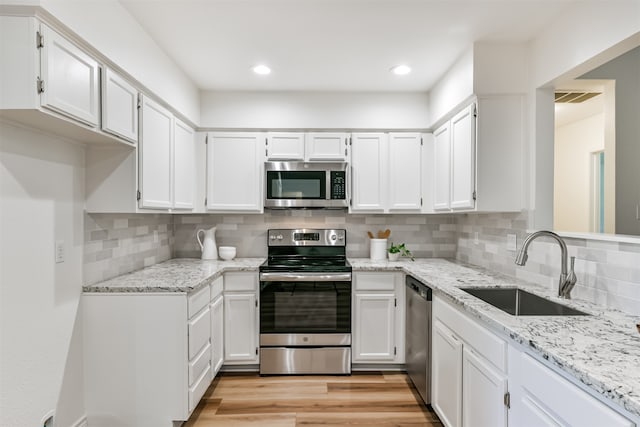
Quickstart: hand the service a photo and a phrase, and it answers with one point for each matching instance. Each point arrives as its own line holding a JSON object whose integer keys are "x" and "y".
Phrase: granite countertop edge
{"x": 599, "y": 350}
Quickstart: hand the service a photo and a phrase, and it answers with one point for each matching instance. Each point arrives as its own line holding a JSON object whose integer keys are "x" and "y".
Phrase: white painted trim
{"x": 81, "y": 422}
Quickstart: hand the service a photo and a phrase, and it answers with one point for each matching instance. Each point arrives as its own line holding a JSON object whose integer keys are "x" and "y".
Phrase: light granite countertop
{"x": 602, "y": 351}
{"x": 175, "y": 275}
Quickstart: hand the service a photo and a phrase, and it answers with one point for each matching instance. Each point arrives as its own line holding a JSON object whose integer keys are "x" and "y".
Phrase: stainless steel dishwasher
{"x": 418, "y": 336}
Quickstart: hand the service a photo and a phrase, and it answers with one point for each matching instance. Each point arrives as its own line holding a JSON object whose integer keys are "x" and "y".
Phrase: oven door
{"x": 303, "y": 304}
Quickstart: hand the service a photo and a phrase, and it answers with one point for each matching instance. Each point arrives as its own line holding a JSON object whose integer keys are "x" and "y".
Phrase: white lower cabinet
{"x": 146, "y": 357}
{"x": 483, "y": 388}
{"x": 541, "y": 397}
{"x": 217, "y": 325}
{"x": 446, "y": 378}
{"x": 241, "y": 318}
{"x": 378, "y": 318}
{"x": 469, "y": 379}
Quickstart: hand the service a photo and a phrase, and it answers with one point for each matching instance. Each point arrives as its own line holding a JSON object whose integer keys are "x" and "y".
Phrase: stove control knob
{"x": 334, "y": 237}
{"x": 280, "y": 237}
{"x": 272, "y": 237}
{"x": 340, "y": 237}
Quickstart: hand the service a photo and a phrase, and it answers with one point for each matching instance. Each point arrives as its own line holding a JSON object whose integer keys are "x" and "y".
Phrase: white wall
{"x": 500, "y": 68}
{"x": 41, "y": 201}
{"x": 560, "y": 52}
{"x": 574, "y": 144}
{"x": 309, "y": 110}
{"x": 108, "y": 27}
{"x": 455, "y": 86}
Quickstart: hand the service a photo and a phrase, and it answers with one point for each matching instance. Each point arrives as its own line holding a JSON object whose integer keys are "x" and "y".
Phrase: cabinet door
{"x": 374, "y": 327}
{"x": 483, "y": 390}
{"x": 154, "y": 151}
{"x": 463, "y": 159}
{"x": 71, "y": 79}
{"x": 217, "y": 334}
{"x": 446, "y": 381}
{"x": 184, "y": 166}
{"x": 240, "y": 328}
{"x": 326, "y": 146}
{"x": 119, "y": 106}
{"x": 234, "y": 172}
{"x": 285, "y": 146}
{"x": 405, "y": 180}
{"x": 368, "y": 162}
{"x": 442, "y": 167}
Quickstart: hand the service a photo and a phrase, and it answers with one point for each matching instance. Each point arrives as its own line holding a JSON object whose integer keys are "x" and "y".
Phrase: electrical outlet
{"x": 512, "y": 242}
{"x": 59, "y": 254}
{"x": 476, "y": 238}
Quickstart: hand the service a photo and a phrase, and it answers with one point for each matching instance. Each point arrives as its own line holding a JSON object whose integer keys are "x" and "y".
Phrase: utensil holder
{"x": 378, "y": 249}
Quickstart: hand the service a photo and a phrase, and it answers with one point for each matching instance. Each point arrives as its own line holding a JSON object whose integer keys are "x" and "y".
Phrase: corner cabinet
{"x": 235, "y": 169}
{"x": 477, "y": 157}
{"x": 50, "y": 82}
{"x": 378, "y": 318}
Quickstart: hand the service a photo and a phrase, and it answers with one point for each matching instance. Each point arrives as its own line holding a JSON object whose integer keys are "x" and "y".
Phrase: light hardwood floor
{"x": 379, "y": 399}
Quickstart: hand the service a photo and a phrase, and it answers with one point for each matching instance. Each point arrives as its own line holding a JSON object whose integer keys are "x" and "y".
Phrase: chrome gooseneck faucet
{"x": 567, "y": 281}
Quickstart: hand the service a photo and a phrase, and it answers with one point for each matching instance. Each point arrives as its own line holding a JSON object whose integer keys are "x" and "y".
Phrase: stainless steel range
{"x": 305, "y": 303}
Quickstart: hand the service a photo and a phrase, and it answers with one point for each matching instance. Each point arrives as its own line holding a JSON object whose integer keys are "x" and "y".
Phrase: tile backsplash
{"x": 116, "y": 244}
{"x": 608, "y": 272}
{"x": 425, "y": 235}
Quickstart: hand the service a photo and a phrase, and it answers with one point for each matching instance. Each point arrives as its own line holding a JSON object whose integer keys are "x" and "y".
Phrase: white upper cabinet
{"x": 327, "y": 146}
{"x": 405, "y": 181}
{"x": 119, "y": 106}
{"x": 184, "y": 166}
{"x": 368, "y": 163}
{"x": 478, "y": 157}
{"x": 235, "y": 164}
{"x": 442, "y": 168}
{"x": 52, "y": 82}
{"x": 463, "y": 159}
{"x": 285, "y": 146}
{"x": 70, "y": 78}
{"x": 155, "y": 155}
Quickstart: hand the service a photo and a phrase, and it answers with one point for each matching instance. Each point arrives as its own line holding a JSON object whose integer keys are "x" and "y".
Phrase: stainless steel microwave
{"x": 306, "y": 185}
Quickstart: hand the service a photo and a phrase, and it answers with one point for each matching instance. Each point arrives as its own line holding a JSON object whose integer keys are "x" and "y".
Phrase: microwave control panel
{"x": 338, "y": 185}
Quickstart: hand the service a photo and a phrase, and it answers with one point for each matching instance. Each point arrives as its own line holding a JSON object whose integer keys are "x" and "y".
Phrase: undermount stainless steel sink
{"x": 522, "y": 303}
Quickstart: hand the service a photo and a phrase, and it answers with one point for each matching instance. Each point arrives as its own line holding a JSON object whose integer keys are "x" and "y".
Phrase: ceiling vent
{"x": 574, "y": 97}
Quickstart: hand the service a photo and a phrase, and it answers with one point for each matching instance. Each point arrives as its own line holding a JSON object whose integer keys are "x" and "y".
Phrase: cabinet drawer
{"x": 199, "y": 387}
{"x": 241, "y": 281}
{"x": 198, "y": 300}
{"x": 490, "y": 346}
{"x": 217, "y": 287}
{"x": 547, "y": 392}
{"x": 374, "y": 281}
{"x": 199, "y": 332}
{"x": 198, "y": 365}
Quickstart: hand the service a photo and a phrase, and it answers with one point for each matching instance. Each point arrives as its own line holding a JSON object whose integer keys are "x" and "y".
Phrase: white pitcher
{"x": 208, "y": 244}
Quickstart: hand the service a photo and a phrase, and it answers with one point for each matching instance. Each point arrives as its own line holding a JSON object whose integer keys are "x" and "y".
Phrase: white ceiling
{"x": 332, "y": 45}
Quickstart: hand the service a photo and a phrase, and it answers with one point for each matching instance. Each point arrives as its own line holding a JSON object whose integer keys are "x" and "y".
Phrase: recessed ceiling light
{"x": 262, "y": 70}
{"x": 401, "y": 70}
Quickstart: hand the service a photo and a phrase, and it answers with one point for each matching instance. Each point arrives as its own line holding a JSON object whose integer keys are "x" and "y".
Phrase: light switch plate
{"x": 59, "y": 255}
{"x": 512, "y": 242}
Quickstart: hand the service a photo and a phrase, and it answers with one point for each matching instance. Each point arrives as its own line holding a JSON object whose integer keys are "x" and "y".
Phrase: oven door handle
{"x": 305, "y": 277}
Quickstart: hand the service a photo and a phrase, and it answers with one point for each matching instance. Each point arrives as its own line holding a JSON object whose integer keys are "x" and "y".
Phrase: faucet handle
{"x": 570, "y": 281}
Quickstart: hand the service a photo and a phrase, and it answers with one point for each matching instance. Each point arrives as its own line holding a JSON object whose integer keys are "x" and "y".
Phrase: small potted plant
{"x": 396, "y": 251}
